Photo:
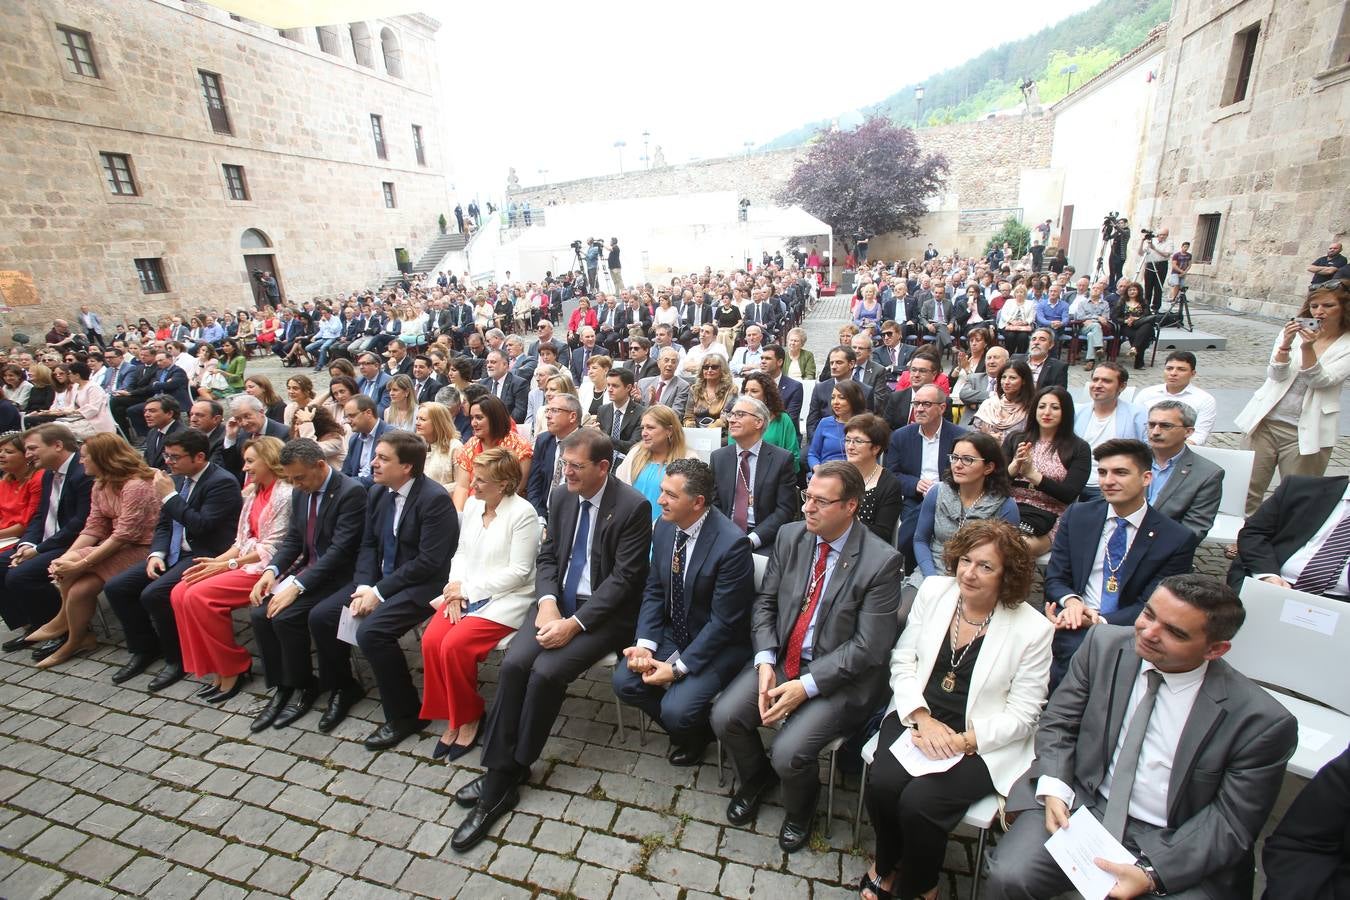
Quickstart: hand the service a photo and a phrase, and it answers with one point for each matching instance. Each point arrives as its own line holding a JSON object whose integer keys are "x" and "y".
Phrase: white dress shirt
{"x": 1294, "y": 565}
{"x": 1092, "y": 591}
{"x": 185, "y": 492}
{"x": 50, "y": 525}
{"x": 1206, "y": 409}
{"x": 584, "y": 584}
{"x": 930, "y": 467}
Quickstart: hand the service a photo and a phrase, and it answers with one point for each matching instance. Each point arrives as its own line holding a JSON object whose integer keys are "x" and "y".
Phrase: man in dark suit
{"x": 697, "y": 311}
{"x": 166, "y": 379}
{"x": 1184, "y": 775}
{"x": 562, "y": 416}
{"x": 640, "y": 361}
{"x": 666, "y": 387}
{"x": 410, "y": 536}
{"x": 367, "y": 428}
{"x": 842, "y": 361}
{"x": 756, "y": 482}
{"x": 208, "y": 417}
{"x": 248, "y": 419}
{"x": 294, "y": 329}
{"x": 591, "y": 569}
{"x": 789, "y": 389}
{"x": 919, "y": 457}
{"x": 899, "y": 410}
{"x": 198, "y": 519}
{"x": 935, "y": 317}
{"x": 832, "y": 578}
{"x": 374, "y": 380}
{"x": 317, "y": 555}
{"x": 869, "y": 372}
{"x": 621, "y": 417}
{"x": 1186, "y": 487}
{"x": 1047, "y": 370}
{"x": 581, "y": 357}
{"x": 1306, "y": 854}
{"x": 514, "y": 392}
{"x": 693, "y": 633}
{"x": 1291, "y": 539}
{"x": 893, "y": 354}
{"x": 160, "y": 415}
{"x": 1103, "y": 571}
{"x": 764, "y": 311}
{"x": 28, "y": 598}
{"x": 519, "y": 363}
{"x": 399, "y": 362}
{"x": 425, "y": 382}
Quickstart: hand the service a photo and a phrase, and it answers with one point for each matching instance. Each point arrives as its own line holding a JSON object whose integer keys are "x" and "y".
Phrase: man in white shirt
{"x": 1156, "y": 252}
{"x": 1178, "y": 375}
{"x": 1108, "y": 417}
{"x": 707, "y": 345}
{"x": 182, "y": 359}
{"x": 746, "y": 358}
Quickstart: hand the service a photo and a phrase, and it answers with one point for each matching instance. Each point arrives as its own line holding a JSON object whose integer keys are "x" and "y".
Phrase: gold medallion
{"x": 949, "y": 682}
{"x": 1112, "y": 586}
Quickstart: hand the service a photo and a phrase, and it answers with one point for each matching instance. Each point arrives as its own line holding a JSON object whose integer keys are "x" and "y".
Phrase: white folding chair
{"x": 808, "y": 388}
{"x": 1297, "y": 643}
{"x": 1237, "y": 474}
{"x": 1127, "y": 395}
{"x": 703, "y": 441}
{"x": 980, "y": 815}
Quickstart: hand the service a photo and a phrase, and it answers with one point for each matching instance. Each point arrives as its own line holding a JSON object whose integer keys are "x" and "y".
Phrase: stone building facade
{"x": 1248, "y": 157}
{"x": 154, "y": 153}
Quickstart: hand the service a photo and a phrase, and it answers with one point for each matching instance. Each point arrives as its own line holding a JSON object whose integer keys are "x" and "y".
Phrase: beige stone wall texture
{"x": 1275, "y": 166}
{"x": 302, "y": 132}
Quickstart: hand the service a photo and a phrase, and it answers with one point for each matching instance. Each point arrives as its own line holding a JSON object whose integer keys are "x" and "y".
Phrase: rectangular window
{"x": 151, "y": 273}
{"x": 389, "y": 195}
{"x": 117, "y": 172}
{"x": 417, "y": 145}
{"x": 214, "y": 95}
{"x": 328, "y": 40}
{"x": 234, "y": 180}
{"x": 377, "y": 130}
{"x": 1206, "y": 237}
{"x": 79, "y": 51}
{"x": 1240, "y": 62}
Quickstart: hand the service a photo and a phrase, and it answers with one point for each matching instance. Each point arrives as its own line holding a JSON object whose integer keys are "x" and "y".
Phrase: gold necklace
{"x": 949, "y": 680}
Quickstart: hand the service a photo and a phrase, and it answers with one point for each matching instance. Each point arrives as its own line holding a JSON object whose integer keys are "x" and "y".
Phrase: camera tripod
{"x": 1179, "y": 314}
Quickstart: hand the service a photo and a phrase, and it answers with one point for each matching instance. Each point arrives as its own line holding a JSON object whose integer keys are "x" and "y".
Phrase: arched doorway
{"x": 260, "y": 266}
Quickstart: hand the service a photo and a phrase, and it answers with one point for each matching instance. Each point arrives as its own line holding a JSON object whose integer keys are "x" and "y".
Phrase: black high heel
{"x": 221, "y": 696}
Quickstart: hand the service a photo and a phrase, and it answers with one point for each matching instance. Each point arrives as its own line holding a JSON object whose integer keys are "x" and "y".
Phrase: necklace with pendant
{"x": 949, "y": 680}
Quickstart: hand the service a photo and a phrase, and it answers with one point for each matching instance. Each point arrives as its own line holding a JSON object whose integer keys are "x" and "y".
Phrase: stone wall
{"x": 302, "y": 132}
{"x": 1275, "y": 166}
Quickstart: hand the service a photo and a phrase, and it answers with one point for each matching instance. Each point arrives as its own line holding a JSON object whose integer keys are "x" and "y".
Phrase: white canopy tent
{"x": 776, "y": 224}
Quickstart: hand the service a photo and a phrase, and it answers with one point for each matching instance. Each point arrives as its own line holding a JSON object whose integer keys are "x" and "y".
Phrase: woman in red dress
{"x": 213, "y": 588}
{"x": 20, "y": 492}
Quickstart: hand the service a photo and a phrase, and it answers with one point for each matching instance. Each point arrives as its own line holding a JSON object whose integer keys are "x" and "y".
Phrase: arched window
{"x": 361, "y": 44}
{"x": 329, "y": 41}
{"x": 253, "y": 239}
{"x": 393, "y": 54}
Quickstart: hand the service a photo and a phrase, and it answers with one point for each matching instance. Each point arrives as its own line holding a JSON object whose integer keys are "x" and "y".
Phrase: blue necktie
{"x": 577, "y": 561}
{"x": 679, "y": 613}
{"x": 1115, "y": 558}
{"x": 176, "y": 536}
{"x": 163, "y": 374}
{"x": 389, "y": 552}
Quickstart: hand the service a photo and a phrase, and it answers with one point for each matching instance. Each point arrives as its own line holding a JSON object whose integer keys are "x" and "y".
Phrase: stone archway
{"x": 260, "y": 267}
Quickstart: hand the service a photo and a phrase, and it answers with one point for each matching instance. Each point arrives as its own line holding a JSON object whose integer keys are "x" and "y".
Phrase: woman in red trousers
{"x": 213, "y": 588}
{"x": 491, "y": 588}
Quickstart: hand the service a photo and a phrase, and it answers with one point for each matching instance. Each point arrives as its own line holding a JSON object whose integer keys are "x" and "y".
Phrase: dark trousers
{"x": 27, "y": 596}
{"x": 95, "y": 338}
{"x": 283, "y": 640}
{"x": 796, "y": 748}
{"x": 144, "y": 608}
{"x": 119, "y": 407}
{"x": 913, "y": 816}
{"x": 1140, "y": 336}
{"x": 377, "y": 635}
{"x": 531, "y": 684}
{"x": 682, "y": 708}
{"x": 1016, "y": 341}
{"x": 1154, "y": 276}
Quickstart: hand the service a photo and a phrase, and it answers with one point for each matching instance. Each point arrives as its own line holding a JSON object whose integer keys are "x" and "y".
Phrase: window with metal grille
{"x": 151, "y": 274}
{"x": 417, "y": 145}
{"x": 1240, "y": 62}
{"x": 79, "y": 51}
{"x": 328, "y": 40}
{"x": 117, "y": 172}
{"x": 1206, "y": 237}
{"x": 234, "y": 180}
{"x": 389, "y": 195}
{"x": 377, "y": 130}
{"x": 214, "y": 95}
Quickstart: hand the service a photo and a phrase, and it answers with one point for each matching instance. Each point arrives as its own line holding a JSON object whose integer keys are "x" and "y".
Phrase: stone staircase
{"x": 445, "y": 243}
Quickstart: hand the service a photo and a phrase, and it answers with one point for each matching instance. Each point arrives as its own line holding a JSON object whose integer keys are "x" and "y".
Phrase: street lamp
{"x": 1069, "y": 70}
{"x": 619, "y": 145}
{"x": 646, "y": 157}
{"x": 918, "y": 104}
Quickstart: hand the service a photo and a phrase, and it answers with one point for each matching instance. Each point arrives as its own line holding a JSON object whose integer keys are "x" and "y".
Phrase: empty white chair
{"x": 1237, "y": 473}
{"x": 703, "y": 441}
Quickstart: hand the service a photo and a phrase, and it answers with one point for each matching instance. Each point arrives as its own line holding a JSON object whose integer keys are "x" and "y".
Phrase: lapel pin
{"x": 1150, "y": 534}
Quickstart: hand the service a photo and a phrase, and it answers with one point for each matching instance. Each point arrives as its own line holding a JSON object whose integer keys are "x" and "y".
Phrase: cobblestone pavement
{"x": 109, "y": 791}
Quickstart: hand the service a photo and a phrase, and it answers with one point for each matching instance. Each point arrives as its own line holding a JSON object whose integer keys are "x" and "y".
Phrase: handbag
{"x": 1034, "y": 520}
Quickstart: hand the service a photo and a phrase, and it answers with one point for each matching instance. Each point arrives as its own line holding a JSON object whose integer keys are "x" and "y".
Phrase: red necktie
{"x": 792, "y": 663}
{"x": 740, "y": 509}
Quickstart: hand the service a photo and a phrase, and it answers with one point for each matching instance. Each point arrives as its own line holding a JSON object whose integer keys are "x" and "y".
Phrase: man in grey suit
{"x": 666, "y": 388}
{"x": 935, "y": 317}
{"x": 822, "y": 628}
{"x": 1175, "y": 752}
{"x": 1186, "y": 487}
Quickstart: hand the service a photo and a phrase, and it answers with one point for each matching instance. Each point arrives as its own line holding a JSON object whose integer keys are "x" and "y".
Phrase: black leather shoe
{"x": 300, "y": 704}
{"x": 686, "y": 755}
{"x": 793, "y": 836}
{"x": 221, "y": 696}
{"x": 391, "y": 734}
{"x": 138, "y": 663}
{"x": 206, "y": 690}
{"x": 468, "y": 795}
{"x": 170, "y": 674}
{"x": 47, "y": 648}
{"x": 339, "y": 704}
{"x": 19, "y": 643}
{"x": 273, "y": 709}
{"x": 745, "y": 803}
{"x": 479, "y": 821}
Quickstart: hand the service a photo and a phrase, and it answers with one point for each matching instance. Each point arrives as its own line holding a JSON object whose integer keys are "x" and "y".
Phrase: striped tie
{"x": 1324, "y": 568}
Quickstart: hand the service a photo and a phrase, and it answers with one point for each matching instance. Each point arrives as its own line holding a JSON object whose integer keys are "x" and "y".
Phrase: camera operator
{"x": 1119, "y": 236}
{"x": 1156, "y": 252}
{"x": 593, "y": 248}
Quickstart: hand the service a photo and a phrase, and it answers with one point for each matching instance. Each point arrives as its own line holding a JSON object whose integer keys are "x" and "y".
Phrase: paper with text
{"x": 1075, "y": 848}
{"x": 347, "y": 626}
{"x": 915, "y": 761}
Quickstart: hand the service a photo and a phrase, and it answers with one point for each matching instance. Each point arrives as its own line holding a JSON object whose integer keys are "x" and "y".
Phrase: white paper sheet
{"x": 281, "y": 585}
{"x": 915, "y": 761}
{"x": 1311, "y": 738}
{"x": 1313, "y": 618}
{"x": 1075, "y": 848}
{"x": 347, "y": 626}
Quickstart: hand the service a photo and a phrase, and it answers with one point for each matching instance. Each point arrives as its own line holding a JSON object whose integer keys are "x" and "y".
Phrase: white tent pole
{"x": 831, "y": 281}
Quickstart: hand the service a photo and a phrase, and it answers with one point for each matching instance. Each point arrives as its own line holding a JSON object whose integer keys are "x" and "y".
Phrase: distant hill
{"x": 1091, "y": 40}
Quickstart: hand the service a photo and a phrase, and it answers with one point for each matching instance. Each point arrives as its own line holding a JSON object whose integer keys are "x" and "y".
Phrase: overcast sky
{"x": 553, "y": 86}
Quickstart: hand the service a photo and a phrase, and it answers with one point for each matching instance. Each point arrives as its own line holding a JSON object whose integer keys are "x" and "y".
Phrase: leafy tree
{"x": 872, "y": 180}
{"x": 1014, "y": 234}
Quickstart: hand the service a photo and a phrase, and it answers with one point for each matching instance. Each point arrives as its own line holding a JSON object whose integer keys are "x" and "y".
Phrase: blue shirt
{"x": 1047, "y": 312}
{"x": 1160, "y": 476}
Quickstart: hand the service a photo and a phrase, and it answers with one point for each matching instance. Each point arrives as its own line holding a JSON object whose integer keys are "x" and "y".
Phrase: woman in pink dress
{"x": 123, "y": 511}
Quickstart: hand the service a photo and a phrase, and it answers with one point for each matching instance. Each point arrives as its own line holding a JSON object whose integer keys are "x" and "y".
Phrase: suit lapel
{"x": 599, "y": 524}
{"x": 1087, "y": 550}
{"x": 1000, "y": 627}
{"x": 706, "y": 539}
{"x": 1206, "y": 714}
{"x": 841, "y": 576}
{"x": 1175, "y": 480}
{"x": 1141, "y": 547}
{"x": 1122, "y": 683}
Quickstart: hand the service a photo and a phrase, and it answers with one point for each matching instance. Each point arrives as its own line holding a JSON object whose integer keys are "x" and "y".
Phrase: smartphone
{"x": 1309, "y": 324}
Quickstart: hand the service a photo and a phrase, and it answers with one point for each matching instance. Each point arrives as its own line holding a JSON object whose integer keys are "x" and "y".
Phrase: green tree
{"x": 1013, "y": 233}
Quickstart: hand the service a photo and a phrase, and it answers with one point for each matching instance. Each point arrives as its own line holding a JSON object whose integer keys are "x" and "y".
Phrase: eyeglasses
{"x": 738, "y": 414}
{"x": 920, "y": 370}
{"x": 174, "y": 457}
{"x": 888, "y": 334}
{"x": 957, "y": 459}
{"x": 1165, "y": 426}
{"x": 856, "y": 442}
{"x": 712, "y": 366}
{"x": 820, "y": 502}
{"x": 576, "y": 467}
{"x": 924, "y": 404}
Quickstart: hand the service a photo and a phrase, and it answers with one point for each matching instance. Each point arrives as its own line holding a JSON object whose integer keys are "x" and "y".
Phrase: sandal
{"x": 867, "y": 883}
{"x": 1231, "y": 551}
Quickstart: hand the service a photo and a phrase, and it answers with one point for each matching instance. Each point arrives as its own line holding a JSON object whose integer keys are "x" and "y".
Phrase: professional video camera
{"x": 576, "y": 245}
{"x": 1146, "y": 233}
{"x": 1113, "y": 223}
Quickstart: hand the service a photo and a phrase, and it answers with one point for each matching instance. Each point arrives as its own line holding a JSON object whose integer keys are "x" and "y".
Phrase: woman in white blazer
{"x": 1293, "y": 418}
{"x": 969, "y": 678}
{"x": 490, "y": 589}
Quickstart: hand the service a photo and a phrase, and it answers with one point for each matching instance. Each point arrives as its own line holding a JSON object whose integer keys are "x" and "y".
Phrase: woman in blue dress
{"x": 645, "y": 465}
{"x": 827, "y": 442}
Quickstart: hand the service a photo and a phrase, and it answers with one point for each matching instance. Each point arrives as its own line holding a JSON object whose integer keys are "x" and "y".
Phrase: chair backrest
{"x": 808, "y": 388}
{"x": 1237, "y": 473}
{"x": 703, "y": 441}
{"x": 1294, "y": 641}
{"x": 761, "y": 564}
{"x": 1127, "y": 395}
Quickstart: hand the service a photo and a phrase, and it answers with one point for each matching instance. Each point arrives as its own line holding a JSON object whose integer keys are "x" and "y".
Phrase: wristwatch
{"x": 232, "y": 564}
{"x": 1154, "y": 881}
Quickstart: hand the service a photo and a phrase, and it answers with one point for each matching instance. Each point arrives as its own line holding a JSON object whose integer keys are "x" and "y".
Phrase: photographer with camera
{"x": 1116, "y": 234}
{"x": 593, "y": 248}
{"x": 1156, "y": 252}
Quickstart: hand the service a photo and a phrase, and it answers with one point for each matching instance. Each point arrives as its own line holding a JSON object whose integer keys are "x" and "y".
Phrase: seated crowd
{"x": 487, "y": 498}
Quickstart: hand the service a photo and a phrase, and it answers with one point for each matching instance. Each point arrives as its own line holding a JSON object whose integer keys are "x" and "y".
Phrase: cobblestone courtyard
{"x": 112, "y": 791}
